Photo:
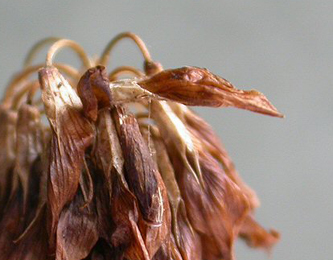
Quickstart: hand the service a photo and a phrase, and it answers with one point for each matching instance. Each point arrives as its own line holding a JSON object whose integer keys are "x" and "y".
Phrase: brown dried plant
{"x": 122, "y": 168}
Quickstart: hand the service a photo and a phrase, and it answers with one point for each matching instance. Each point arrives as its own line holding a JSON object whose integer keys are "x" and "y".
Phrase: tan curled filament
{"x": 138, "y": 41}
{"x": 63, "y": 43}
{"x": 35, "y": 49}
{"x": 125, "y": 70}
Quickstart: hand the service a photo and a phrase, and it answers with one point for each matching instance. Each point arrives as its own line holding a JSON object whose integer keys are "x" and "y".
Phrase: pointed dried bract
{"x": 71, "y": 135}
{"x": 194, "y": 86}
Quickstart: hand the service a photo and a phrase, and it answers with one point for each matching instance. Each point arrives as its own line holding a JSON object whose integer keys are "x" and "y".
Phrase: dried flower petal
{"x": 99, "y": 182}
{"x": 94, "y": 92}
{"x": 140, "y": 168}
{"x": 77, "y": 231}
{"x": 194, "y": 86}
{"x": 7, "y": 153}
{"x": 211, "y": 143}
{"x": 72, "y": 134}
{"x": 257, "y": 236}
{"x": 175, "y": 134}
{"x": 29, "y": 147}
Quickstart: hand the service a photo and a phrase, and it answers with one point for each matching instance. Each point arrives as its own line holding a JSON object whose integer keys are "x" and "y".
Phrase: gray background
{"x": 282, "y": 48}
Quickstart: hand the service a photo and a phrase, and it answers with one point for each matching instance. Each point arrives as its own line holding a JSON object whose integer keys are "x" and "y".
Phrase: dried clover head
{"x": 122, "y": 168}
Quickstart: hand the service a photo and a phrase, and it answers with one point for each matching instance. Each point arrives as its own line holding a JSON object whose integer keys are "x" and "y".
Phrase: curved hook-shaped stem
{"x": 18, "y": 98}
{"x": 142, "y": 46}
{"x": 36, "y": 48}
{"x": 125, "y": 70}
{"x": 58, "y": 45}
{"x": 12, "y": 89}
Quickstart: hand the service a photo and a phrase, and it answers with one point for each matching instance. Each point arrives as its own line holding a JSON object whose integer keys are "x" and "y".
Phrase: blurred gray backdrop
{"x": 281, "y": 48}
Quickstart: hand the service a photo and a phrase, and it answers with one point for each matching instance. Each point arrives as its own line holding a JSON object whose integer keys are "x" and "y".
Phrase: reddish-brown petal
{"x": 72, "y": 133}
{"x": 94, "y": 91}
{"x": 198, "y": 87}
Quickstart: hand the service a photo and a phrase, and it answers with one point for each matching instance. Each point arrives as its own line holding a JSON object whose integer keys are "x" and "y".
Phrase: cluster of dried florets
{"x": 123, "y": 169}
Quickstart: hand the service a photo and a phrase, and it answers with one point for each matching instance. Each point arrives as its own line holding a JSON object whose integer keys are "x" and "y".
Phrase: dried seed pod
{"x": 194, "y": 86}
{"x": 71, "y": 135}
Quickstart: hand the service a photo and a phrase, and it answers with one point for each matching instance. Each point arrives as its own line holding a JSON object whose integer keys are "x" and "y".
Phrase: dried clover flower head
{"x": 122, "y": 168}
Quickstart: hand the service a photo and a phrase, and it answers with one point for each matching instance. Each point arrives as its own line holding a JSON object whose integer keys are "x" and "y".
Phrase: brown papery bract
{"x": 101, "y": 166}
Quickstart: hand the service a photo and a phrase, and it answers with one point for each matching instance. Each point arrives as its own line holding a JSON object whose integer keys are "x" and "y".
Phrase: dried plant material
{"x": 257, "y": 236}
{"x": 189, "y": 244}
{"x": 127, "y": 91}
{"x": 121, "y": 169}
{"x": 77, "y": 231}
{"x": 140, "y": 168}
{"x": 7, "y": 153}
{"x": 94, "y": 92}
{"x": 72, "y": 134}
{"x": 211, "y": 143}
{"x": 29, "y": 147}
{"x": 175, "y": 135}
{"x": 194, "y": 86}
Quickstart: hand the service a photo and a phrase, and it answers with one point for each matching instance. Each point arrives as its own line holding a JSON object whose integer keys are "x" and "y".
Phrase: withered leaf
{"x": 194, "y": 86}
{"x": 71, "y": 135}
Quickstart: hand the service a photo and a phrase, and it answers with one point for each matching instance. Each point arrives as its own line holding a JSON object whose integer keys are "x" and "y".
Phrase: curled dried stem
{"x": 32, "y": 86}
{"x": 142, "y": 46}
{"x": 58, "y": 45}
{"x": 15, "y": 88}
{"x": 36, "y": 48}
{"x": 125, "y": 70}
